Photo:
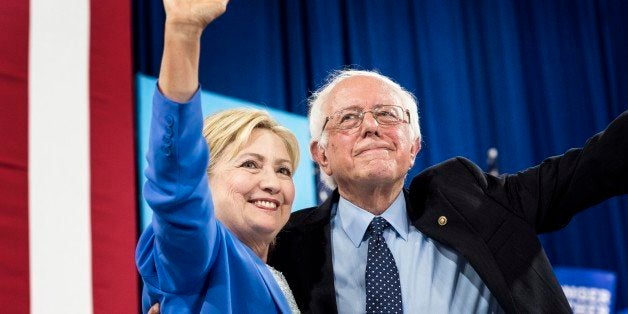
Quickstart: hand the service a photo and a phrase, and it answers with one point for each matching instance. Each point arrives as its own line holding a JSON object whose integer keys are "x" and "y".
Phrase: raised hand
{"x": 154, "y": 309}
{"x": 193, "y": 15}
{"x": 185, "y": 22}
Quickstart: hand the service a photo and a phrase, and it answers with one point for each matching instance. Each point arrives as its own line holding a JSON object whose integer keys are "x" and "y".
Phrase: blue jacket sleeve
{"x": 175, "y": 253}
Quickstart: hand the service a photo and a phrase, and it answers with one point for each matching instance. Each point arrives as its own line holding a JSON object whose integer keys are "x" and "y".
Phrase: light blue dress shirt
{"x": 434, "y": 278}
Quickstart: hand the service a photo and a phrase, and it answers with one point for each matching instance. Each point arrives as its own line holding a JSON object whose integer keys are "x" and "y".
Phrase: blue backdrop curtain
{"x": 531, "y": 78}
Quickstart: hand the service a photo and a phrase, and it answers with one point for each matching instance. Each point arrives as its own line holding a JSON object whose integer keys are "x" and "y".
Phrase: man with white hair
{"x": 458, "y": 241}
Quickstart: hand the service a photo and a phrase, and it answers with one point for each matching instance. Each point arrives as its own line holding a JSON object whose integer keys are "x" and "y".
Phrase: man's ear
{"x": 318, "y": 153}
{"x": 414, "y": 151}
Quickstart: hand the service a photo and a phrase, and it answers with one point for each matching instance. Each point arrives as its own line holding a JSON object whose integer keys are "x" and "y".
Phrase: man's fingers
{"x": 154, "y": 309}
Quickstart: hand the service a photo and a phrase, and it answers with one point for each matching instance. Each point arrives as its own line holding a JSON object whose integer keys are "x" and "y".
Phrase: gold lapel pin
{"x": 442, "y": 220}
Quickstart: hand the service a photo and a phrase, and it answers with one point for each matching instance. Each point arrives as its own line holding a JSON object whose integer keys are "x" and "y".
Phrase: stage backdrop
{"x": 532, "y": 78}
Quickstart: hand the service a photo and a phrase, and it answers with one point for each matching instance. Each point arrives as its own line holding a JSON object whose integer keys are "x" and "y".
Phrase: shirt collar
{"x": 355, "y": 220}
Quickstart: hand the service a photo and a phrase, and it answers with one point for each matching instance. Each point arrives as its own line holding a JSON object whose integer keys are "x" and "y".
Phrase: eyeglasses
{"x": 350, "y": 118}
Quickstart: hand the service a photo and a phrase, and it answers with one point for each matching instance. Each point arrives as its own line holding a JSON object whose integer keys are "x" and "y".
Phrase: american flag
{"x": 67, "y": 168}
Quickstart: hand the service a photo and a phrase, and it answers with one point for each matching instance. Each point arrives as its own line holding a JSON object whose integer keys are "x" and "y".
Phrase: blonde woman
{"x": 214, "y": 218}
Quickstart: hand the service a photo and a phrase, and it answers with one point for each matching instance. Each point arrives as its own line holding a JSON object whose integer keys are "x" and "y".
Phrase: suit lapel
{"x": 316, "y": 232}
{"x": 426, "y": 215}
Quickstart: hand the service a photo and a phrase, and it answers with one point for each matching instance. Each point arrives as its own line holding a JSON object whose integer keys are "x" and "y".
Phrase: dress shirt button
{"x": 442, "y": 220}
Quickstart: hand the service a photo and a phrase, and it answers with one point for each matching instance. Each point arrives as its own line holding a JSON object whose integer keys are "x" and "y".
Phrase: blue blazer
{"x": 188, "y": 260}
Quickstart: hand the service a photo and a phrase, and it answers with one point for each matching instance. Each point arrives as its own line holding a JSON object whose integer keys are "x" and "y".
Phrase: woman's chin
{"x": 265, "y": 229}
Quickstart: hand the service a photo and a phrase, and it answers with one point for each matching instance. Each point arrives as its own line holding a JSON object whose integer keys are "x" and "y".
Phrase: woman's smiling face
{"x": 253, "y": 191}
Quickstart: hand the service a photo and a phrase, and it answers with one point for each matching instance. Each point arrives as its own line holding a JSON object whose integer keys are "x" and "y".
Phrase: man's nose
{"x": 369, "y": 123}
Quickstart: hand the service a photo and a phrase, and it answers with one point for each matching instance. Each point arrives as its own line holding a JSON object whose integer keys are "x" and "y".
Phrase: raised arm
{"x": 174, "y": 253}
{"x": 548, "y": 195}
{"x": 185, "y": 22}
{"x": 563, "y": 185}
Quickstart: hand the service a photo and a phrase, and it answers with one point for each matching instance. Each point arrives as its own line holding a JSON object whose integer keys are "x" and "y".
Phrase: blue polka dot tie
{"x": 383, "y": 290}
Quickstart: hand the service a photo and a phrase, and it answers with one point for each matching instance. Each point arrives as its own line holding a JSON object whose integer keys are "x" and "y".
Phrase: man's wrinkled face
{"x": 371, "y": 153}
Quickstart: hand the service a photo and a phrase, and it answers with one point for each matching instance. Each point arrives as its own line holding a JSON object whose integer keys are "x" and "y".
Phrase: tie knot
{"x": 378, "y": 225}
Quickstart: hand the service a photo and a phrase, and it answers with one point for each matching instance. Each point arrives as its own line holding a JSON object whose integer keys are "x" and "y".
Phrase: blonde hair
{"x": 234, "y": 126}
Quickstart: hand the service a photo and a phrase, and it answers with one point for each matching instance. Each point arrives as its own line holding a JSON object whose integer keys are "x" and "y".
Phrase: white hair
{"x": 320, "y": 98}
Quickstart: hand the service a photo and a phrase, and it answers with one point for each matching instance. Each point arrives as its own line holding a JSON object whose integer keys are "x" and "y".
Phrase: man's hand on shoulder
{"x": 154, "y": 309}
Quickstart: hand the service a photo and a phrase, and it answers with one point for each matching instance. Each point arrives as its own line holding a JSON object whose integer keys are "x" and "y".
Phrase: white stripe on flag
{"x": 59, "y": 185}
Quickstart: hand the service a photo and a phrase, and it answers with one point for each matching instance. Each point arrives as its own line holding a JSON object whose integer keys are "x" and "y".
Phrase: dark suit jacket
{"x": 492, "y": 221}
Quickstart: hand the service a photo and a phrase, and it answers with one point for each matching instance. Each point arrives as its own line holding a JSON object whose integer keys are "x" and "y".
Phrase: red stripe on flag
{"x": 113, "y": 188}
{"x": 14, "y": 266}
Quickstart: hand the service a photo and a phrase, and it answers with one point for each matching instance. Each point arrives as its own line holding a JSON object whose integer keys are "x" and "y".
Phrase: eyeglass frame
{"x": 363, "y": 114}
